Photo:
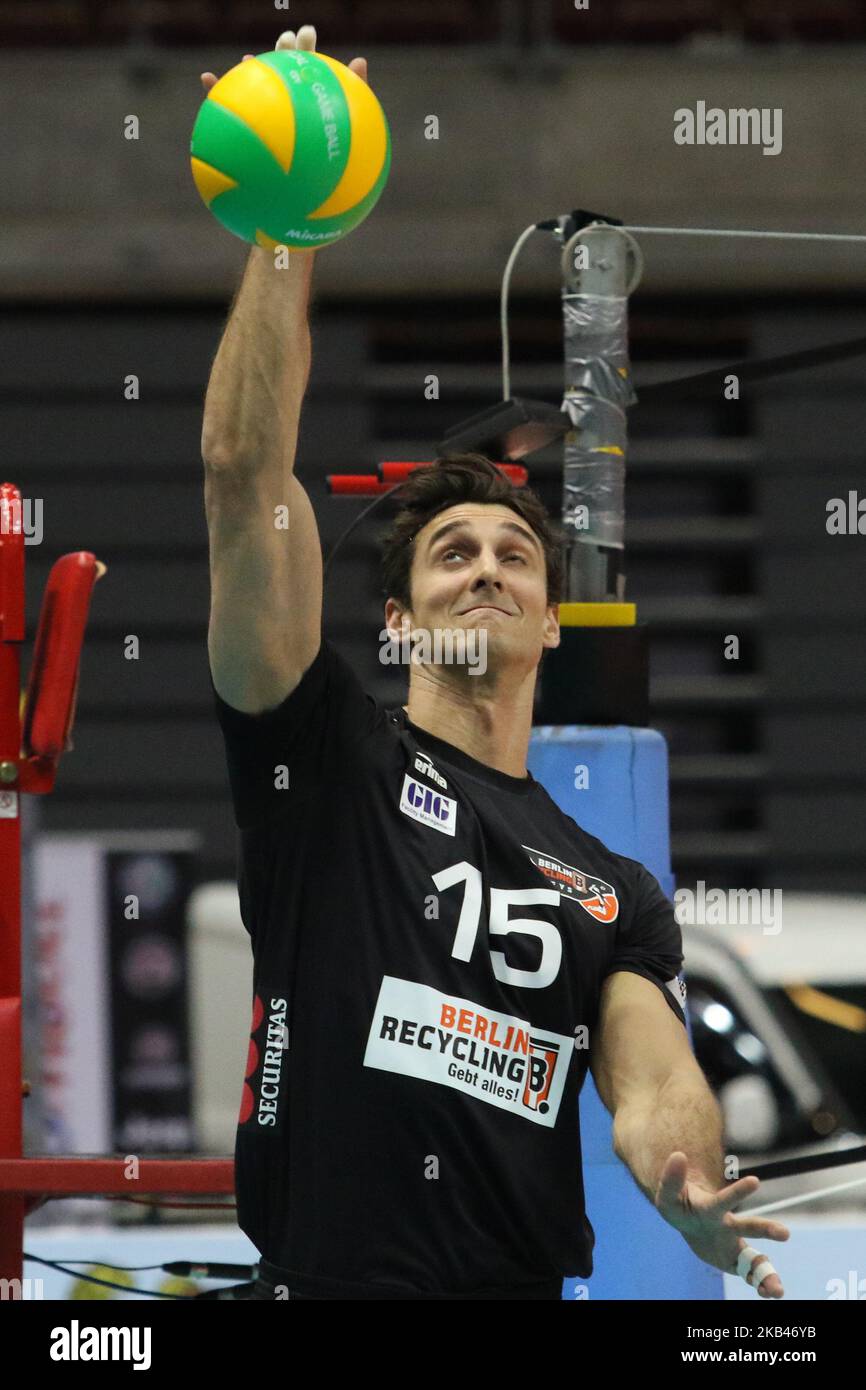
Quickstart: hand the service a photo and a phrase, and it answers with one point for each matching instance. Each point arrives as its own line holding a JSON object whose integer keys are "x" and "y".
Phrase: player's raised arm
{"x": 266, "y": 576}
{"x": 265, "y": 554}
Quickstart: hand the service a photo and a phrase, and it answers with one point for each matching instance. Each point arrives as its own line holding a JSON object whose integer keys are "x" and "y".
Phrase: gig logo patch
{"x": 493, "y": 1057}
{"x": 266, "y": 1060}
{"x": 592, "y": 893}
{"x": 429, "y": 807}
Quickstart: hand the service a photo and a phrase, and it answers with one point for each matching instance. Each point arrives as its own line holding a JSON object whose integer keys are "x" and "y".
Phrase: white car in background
{"x": 778, "y": 1019}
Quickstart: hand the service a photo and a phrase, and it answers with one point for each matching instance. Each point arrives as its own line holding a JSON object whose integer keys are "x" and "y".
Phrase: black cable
{"x": 811, "y": 1163}
{"x": 350, "y": 528}
{"x": 752, "y": 371}
{"x": 126, "y": 1269}
{"x": 105, "y": 1283}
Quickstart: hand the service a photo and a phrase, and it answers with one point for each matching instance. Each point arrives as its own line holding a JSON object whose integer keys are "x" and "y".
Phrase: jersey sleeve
{"x": 277, "y": 758}
{"x": 649, "y": 942}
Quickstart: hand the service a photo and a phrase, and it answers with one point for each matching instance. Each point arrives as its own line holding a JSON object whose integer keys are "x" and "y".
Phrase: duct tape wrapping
{"x": 593, "y": 483}
{"x": 596, "y": 346}
{"x": 598, "y": 388}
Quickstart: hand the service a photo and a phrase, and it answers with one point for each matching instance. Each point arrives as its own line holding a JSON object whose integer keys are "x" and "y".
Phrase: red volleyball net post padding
{"x": 34, "y": 733}
{"x": 390, "y": 475}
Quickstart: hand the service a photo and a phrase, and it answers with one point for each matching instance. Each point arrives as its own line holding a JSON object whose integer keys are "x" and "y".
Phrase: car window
{"x": 832, "y": 1019}
{"x": 760, "y": 1111}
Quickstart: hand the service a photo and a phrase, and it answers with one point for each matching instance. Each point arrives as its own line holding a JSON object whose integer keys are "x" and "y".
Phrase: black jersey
{"x": 430, "y": 937}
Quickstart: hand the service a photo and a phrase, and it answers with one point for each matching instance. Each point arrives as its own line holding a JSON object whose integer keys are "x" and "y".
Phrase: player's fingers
{"x": 307, "y": 37}
{"x": 209, "y": 79}
{"x": 737, "y": 1192}
{"x": 672, "y": 1182}
{"x": 286, "y": 40}
{"x": 359, "y": 65}
{"x": 771, "y": 1287}
{"x": 758, "y": 1226}
{"x": 752, "y": 1264}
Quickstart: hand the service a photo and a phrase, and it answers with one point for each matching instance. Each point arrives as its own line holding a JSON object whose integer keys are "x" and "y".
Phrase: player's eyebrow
{"x": 450, "y": 526}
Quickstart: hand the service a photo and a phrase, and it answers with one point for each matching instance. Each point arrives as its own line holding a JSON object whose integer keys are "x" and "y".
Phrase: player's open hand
{"x": 304, "y": 39}
{"x": 707, "y": 1222}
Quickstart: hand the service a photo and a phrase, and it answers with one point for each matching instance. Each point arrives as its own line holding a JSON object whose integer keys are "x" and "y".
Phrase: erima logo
{"x": 427, "y": 806}
{"x": 423, "y": 764}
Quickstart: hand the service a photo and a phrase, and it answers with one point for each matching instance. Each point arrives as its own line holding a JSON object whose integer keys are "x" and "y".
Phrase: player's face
{"x": 480, "y": 565}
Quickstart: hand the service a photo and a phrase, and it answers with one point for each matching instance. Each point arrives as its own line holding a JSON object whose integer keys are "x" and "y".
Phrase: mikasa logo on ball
{"x": 428, "y": 806}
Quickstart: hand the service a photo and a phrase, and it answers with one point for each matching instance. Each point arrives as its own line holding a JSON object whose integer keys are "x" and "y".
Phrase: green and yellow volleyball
{"x": 290, "y": 148}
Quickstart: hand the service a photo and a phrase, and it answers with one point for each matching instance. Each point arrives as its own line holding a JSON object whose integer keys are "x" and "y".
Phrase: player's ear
{"x": 552, "y": 633}
{"x": 398, "y": 620}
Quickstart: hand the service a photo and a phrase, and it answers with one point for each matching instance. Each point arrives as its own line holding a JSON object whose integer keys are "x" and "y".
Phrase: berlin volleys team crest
{"x": 588, "y": 890}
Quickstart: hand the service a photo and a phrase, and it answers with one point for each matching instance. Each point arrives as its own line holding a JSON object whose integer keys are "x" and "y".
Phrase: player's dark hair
{"x": 447, "y": 483}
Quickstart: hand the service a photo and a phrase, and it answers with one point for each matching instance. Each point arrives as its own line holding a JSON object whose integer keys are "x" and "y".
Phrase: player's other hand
{"x": 304, "y": 39}
{"x": 706, "y": 1220}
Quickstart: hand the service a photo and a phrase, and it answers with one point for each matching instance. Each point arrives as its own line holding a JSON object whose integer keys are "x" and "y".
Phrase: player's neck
{"x": 493, "y": 730}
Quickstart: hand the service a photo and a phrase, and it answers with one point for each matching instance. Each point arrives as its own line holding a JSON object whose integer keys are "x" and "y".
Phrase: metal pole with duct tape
{"x": 600, "y": 268}
{"x": 600, "y": 672}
